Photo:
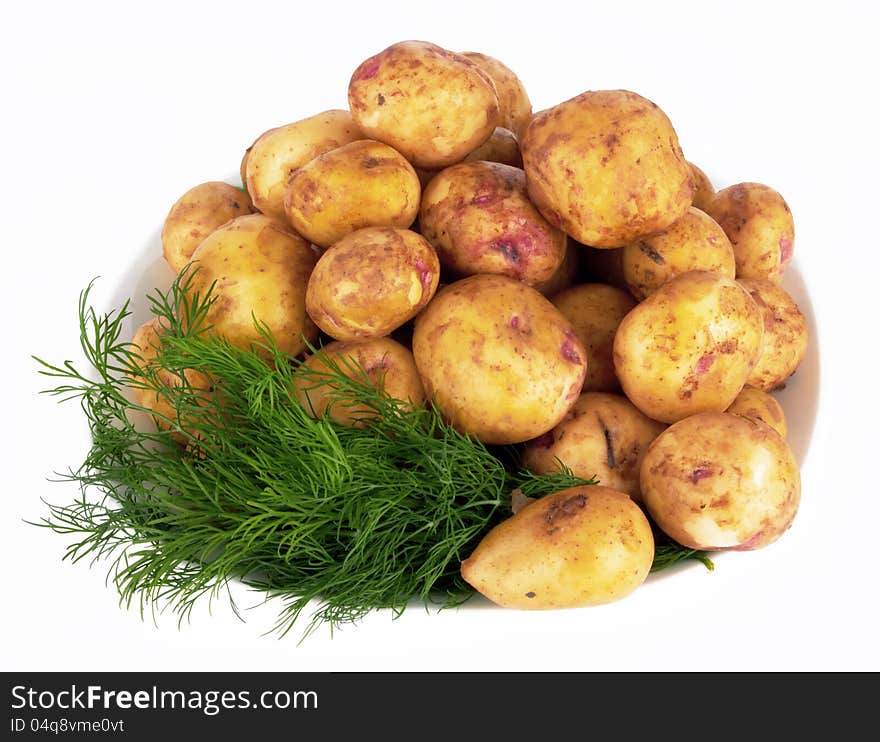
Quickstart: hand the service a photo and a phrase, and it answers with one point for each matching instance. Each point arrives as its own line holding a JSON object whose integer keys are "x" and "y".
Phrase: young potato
{"x": 479, "y": 218}
{"x": 603, "y": 436}
{"x": 689, "y": 347}
{"x": 432, "y": 105}
{"x": 719, "y": 481}
{"x": 607, "y": 168}
{"x": 566, "y": 274}
{"x": 196, "y": 214}
{"x": 595, "y": 311}
{"x": 385, "y": 362}
{"x": 361, "y": 184}
{"x": 277, "y": 152}
{"x": 261, "y": 269}
{"x": 371, "y": 282}
{"x": 757, "y": 404}
{"x": 498, "y": 359}
{"x": 694, "y": 242}
{"x": 760, "y": 227}
{"x": 516, "y": 108}
{"x": 703, "y": 188}
{"x": 501, "y": 147}
{"x": 785, "y": 334}
{"x": 580, "y": 546}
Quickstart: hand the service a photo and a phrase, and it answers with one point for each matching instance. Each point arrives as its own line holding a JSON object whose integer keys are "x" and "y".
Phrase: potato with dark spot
{"x": 607, "y": 168}
{"x": 580, "y": 546}
{"x": 693, "y": 243}
{"x": 760, "y": 226}
{"x": 566, "y": 274}
{"x": 371, "y": 282}
{"x": 718, "y": 481}
{"x": 516, "y": 108}
{"x": 785, "y": 334}
{"x": 431, "y": 104}
{"x": 759, "y": 405}
{"x": 261, "y": 269}
{"x": 385, "y": 363}
{"x": 498, "y": 359}
{"x": 596, "y": 310}
{"x": 603, "y": 436}
{"x": 276, "y": 153}
{"x": 703, "y": 188}
{"x": 196, "y": 214}
{"x": 479, "y": 218}
{"x": 361, "y": 184}
{"x": 689, "y": 347}
{"x": 500, "y": 147}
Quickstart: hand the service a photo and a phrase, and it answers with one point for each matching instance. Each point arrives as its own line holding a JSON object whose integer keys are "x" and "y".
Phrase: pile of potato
{"x": 566, "y": 282}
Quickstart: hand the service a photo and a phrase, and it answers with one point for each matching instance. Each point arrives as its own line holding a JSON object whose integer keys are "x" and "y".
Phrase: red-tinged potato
{"x": 596, "y": 310}
{"x": 371, "y": 282}
{"x": 498, "y": 359}
{"x": 603, "y": 436}
{"x": 196, "y": 214}
{"x": 431, "y": 104}
{"x": 479, "y": 218}
{"x": 757, "y": 404}
{"x": 760, "y": 226}
{"x": 260, "y": 269}
{"x": 717, "y": 481}
{"x": 607, "y": 168}
{"x": 501, "y": 147}
{"x": 689, "y": 347}
{"x": 704, "y": 191}
{"x": 693, "y": 243}
{"x": 581, "y": 546}
{"x": 516, "y": 108}
{"x": 785, "y": 334}
{"x": 385, "y": 362}
{"x": 276, "y": 153}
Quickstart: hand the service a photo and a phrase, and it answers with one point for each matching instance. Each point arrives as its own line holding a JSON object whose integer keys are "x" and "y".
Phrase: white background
{"x": 111, "y": 111}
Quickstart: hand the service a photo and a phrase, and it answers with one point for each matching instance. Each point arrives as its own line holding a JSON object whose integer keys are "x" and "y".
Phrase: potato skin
{"x": 371, "y": 282}
{"x": 431, "y": 104}
{"x": 785, "y": 334}
{"x": 760, "y": 227}
{"x": 580, "y": 546}
{"x": 606, "y": 167}
{"x": 361, "y": 184}
{"x": 704, "y": 191}
{"x": 689, "y": 347}
{"x": 498, "y": 359}
{"x": 388, "y": 365}
{"x": 196, "y": 214}
{"x": 757, "y": 404}
{"x": 513, "y": 100}
{"x": 717, "y": 481}
{"x": 694, "y": 242}
{"x": 596, "y": 310}
{"x": 479, "y": 218}
{"x": 603, "y": 436}
{"x": 501, "y": 147}
{"x": 261, "y": 267}
{"x": 276, "y": 153}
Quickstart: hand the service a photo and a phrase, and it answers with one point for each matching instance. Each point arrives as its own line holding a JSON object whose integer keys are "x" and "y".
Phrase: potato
{"x": 196, "y": 214}
{"x": 513, "y": 100}
{"x": 387, "y": 364}
{"x": 261, "y": 269}
{"x": 689, "y": 347}
{"x": 279, "y": 151}
{"x": 432, "y": 105}
{"x": 694, "y": 242}
{"x": 580, "y": 546}
{"x": 785, "y": 334}
{"x": 479, "y": 218}
{"x": 760, "y": 226}
{"x": 566, "y": 274}
{"x": 371, "y": 282}
{"x": 500, "y": 147}
{"x": 498, "y": 359}
{"x": 757, "y": 404}
{"x": 603, "y": 436}
{"x": 703, "y": 188}
{"x": 607, "y": 168}
{"x": 595, "y": 311}
{"x": 719, "y": 481}
{"x": 361, "y": 184}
